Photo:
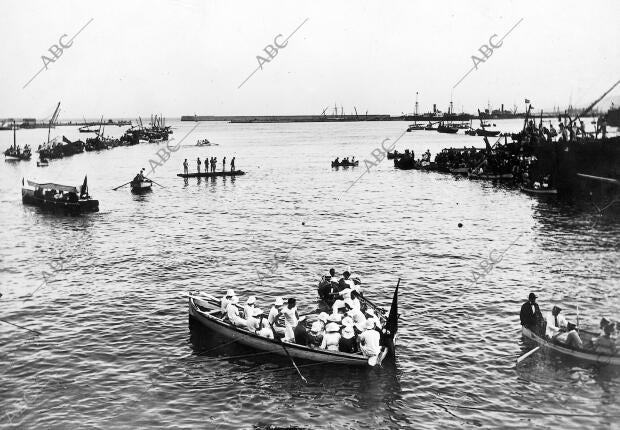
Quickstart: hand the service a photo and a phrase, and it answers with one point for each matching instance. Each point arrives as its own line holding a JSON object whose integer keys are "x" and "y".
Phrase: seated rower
{"x": 253, "y": 319}
{"x": 224, "y": 301}
{"x": 345, "y": 301}
{"x": 348, "y": 340}
{"x": 265, "y": 328}
{"x": 331, "y": 339}
{"x": 233, "y": 313}
{"x": 555, "y": 322}
{"x": 370, "y": 342}
{"x": 572, "y": 339}
{"x": 345, "y": 282}
{"x": 315, "y": 337}
{"x": 276, "y": 318}
{"x": 248, "y": 309}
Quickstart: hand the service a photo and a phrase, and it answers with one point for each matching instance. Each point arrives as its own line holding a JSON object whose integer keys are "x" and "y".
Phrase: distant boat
{"x": 89, "y": 129}
{"x": 14, "y": 152}
{"x": 447, "y": 129}
{"x": 205, "y": 142}
{"x": 43, "y": 162}
{"x": 528, "y": 190}
{"x": 470, "y": 132}
{"x": 488, "y": 133}
{"x": 345, "y": 163}
{"x": 63, "y": 198}
{"x": 415, "y": 126}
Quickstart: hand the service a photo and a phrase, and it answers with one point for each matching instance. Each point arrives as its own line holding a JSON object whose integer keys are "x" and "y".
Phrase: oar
{"x": 156, "y": 183}
{"x": 527, "y": 354}
{"x": 293, "y": 361}
{"x": 120, "y": 186}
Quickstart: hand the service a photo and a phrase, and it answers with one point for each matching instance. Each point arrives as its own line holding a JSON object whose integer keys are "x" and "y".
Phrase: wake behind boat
{"x": 65, "y": 198}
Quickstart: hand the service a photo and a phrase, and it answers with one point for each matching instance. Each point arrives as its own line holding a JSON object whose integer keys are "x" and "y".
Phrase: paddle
{"x": 527, "y": 354}
{"x": 120, "y": 186}
{"x": 156, "y": 183}
{"x": 291, "y": 358}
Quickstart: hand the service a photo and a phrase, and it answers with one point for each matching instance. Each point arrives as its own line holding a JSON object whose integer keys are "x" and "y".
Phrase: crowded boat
{"x": 347, "y": 323}
{"x": 554, "y": 330}
{"x": 65, "y": 198}
{"x": 345, "y": 162}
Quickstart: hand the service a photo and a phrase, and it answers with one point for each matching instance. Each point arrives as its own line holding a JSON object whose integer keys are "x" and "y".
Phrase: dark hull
{"x": 487, "y": 133}
{"x": 79, "y": 207}
{"x": 210, "y": 174}
{"x": 445, "y": 129}
{"x": 334, "y": 164}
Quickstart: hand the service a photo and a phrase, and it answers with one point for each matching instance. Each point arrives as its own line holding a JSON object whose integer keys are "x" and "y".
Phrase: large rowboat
{"x": 580, "y": 354}
{"x": 207, "y": 312}
{"x": 548, "y": 191}
{"x": 210, "y": 174}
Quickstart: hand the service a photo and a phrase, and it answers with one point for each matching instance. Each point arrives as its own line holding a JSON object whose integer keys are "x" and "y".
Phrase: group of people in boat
{"x": 349, "y": 327}
{"x": 345, "y": 161}
{"x": 209, "y": 165}
{"x": 554, "y": 327}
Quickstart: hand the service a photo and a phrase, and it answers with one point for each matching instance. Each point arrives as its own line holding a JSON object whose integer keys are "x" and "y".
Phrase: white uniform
{"x": 552, "y": 328}
{"x": 290, "y": 322}
{"x": 331, "y": 341}
{"x": 273, "y": 313}
{"x": 224, "y": 304}
{"x": 233, "y": 316}
{"x": 253, "y": 323}
{"x": 359, "y": 319}
{"x": 369, "y": 343}
{"x": 248, "y": 310}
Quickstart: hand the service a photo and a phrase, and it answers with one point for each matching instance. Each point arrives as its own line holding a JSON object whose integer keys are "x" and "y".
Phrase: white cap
{"x": 279, "y": 301}
{"x": 251, "y": 300}
{"x": 230, "y": 292}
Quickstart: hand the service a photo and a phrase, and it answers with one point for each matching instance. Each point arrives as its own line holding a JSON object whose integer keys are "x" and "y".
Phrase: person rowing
{"x": 248, "y": 308}
{"x": 232, "y": 312}
{"x": 556, "y": 323}
{"x": 225, "y": 301}
{"x": 253, "y": 320}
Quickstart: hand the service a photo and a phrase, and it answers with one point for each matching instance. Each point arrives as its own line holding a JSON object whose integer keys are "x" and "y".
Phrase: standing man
{"x": 198, "y": 165}
{"x": 232, "y": 164}
{"x": 224, "y": 164}
{"x": 185, "y": 166}
{"x": 530, "y": 314}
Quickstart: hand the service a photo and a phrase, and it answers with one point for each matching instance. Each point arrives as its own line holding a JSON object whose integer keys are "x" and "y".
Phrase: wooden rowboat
{"x": 579, "y": 354}
{"x": 206, "y": 311}
{"x": 345, "y": 164}
{"x": 141, "y": 186}
{"x": 210, "y": 174}
{"x": 539, "y": 191}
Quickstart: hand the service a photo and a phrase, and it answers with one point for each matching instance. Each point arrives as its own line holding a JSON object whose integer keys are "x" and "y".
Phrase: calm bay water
{"x": 116, "y": 349}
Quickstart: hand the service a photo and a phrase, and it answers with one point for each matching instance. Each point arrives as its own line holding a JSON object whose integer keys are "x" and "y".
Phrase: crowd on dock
{"x": 351, "y": 326}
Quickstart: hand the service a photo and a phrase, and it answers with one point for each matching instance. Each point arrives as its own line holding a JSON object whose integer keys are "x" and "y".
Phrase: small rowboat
{"x": 580, "y": 354}
{"x": 210, "y": 174}
{"x": 459, "y": 170}
{"x": 206, "y": 311}
{"x": 447, "y": 129}
{"x": 43, "y": 163}
{"x": 141, "y": 186}
{"x": 488, "y": 133}
{"x": 345, "y": 164}
{"x": 548, "y": 191}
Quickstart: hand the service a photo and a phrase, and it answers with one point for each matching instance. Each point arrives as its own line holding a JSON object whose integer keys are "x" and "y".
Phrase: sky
{"x": 185, "y": 57}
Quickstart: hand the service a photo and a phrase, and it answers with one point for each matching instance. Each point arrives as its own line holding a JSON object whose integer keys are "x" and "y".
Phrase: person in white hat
{"x": 233, "y": 313}
{"x": 323, "y": 319}
{"x": 315, "y": 337}
{"x": 248, "y": 308}
{"x": 224, "y": 301}
{"x": 359, "y": 319}
{"x": 348, "y": 339}
{"x": 369, "y": 340}
{"x": 276, "y": 318}
{"x": 253, "y": 322}
{"x": 331, "y": 339}
{"x": 265, "y": 328}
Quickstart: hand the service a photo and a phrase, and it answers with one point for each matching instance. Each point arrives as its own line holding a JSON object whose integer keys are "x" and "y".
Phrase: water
{"x": 116, "y": 349}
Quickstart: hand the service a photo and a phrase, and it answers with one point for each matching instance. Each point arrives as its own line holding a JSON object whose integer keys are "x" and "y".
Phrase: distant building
{"x": 28, "y": 123}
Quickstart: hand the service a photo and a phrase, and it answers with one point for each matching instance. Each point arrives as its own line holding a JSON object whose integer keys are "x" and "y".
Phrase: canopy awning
{"x": 52, "y": 186}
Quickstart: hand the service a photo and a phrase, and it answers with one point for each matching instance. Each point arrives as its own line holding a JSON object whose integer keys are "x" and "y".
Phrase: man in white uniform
{"x": 224, "y": 301}
{"x": 290, "y": 320}
{"x": 555, "y": 322}
{"x": 369, "y": 342}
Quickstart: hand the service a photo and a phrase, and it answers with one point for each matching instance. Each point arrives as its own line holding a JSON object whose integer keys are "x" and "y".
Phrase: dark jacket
{"x": 530, "y": 319}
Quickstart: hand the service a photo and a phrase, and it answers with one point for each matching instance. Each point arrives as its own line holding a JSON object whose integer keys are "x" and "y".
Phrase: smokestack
{"x": 434, "y": 108}
{"x": 502, "y": 107}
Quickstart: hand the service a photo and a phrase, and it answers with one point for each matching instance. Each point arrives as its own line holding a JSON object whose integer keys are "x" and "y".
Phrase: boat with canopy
{"x": 66, "y": 198}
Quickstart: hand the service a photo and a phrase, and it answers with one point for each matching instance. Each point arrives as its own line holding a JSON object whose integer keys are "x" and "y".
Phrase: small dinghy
{"x": 141, "y": 186}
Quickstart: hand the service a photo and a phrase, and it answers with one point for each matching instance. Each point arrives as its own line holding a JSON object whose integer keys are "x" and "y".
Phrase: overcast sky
{"x": 180, "y": 57}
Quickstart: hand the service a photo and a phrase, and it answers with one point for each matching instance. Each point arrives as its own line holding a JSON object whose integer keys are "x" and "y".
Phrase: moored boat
{"x": 447, "y": 129}
{"x": 581, "y": 354}
{"x": 487, "y": 133}
{"x": 65, "y": 198}
{"x": 42, "y": 162}
{"x": 549, "y": 191}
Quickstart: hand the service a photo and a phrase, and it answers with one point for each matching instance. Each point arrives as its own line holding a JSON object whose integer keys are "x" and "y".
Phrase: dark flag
{"x": 488, "y": 145}
{"x": 64, "y": 139}
{"x": 392, "y": 322}
{"x": 84, "y": 187}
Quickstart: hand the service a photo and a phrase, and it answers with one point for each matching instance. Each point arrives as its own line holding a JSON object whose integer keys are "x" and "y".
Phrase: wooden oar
{"x": 114, "y": 189}
{"x": 292, "y": 361}
{"x": 527, "y": 354}
{"x": 156, "y": 183}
